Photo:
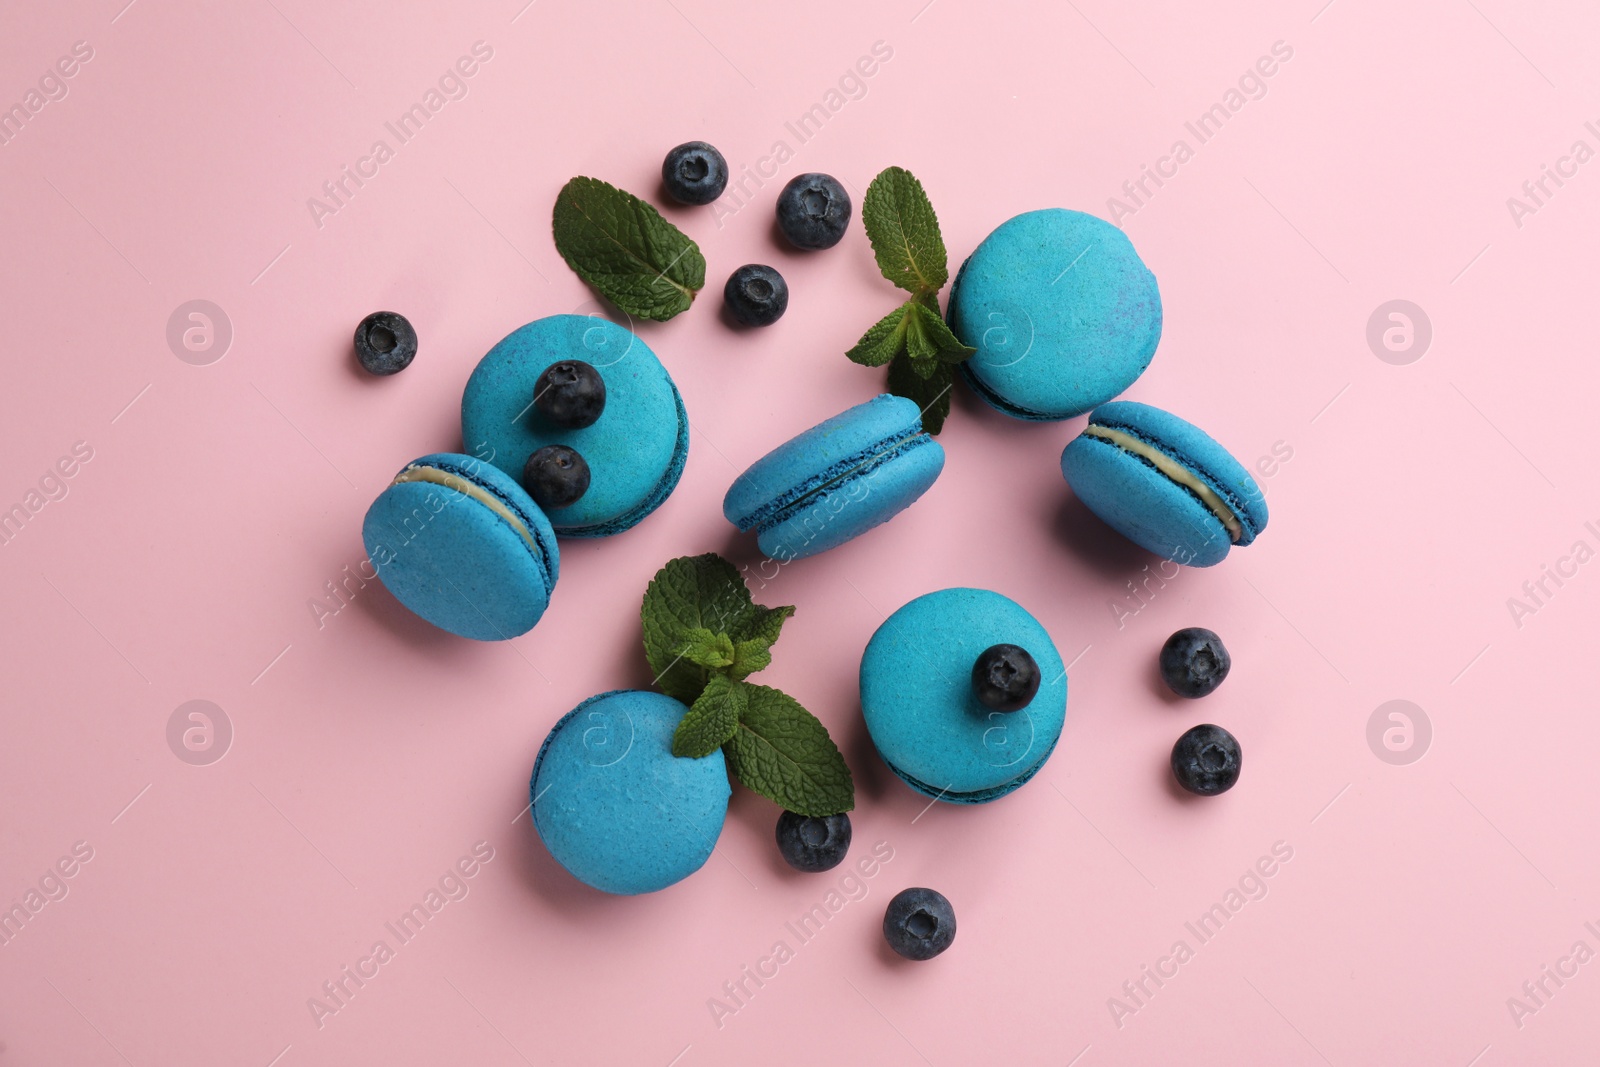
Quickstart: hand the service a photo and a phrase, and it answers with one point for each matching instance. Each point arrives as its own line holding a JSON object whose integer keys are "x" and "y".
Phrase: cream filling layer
{"x": 461, "y": 485}
{"x": 1175, "y": 471}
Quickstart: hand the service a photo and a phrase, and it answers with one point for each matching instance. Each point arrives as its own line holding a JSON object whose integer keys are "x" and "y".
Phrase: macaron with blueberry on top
{"x": 1062, "y": 311}
{"x": 614, "y": 806}
{"x": 964, "y": 695}
{"x": 460, "y": 544}
{"x": 582, "y": 412}
{"x": 1164, "y": 484}
{"x": 837, "y": 480}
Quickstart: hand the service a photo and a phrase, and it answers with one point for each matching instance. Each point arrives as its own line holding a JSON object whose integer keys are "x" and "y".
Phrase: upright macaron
{"x": 635, "y": 450}
{"x": 612, "y": 803}
{"x": 1062, "y": 311}
{"x": 923, "y": 708}
{"x": 460, "y": 544}
{"x": 837, "y": 480}
{"x": 1164, "y": 484}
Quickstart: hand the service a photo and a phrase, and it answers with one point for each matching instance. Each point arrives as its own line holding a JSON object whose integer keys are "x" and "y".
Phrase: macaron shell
{"x": 917, "y": 699}
{"x": 1142, "y": 504}
{"x": 803, "y": 462}
{"x": 457, "y": 563}
{"x": 1062, "y": 311}
{"x": 612, "y": 803}
{"x": 637, "y": 448}
{"x": 1196, "y": 450}
{"x": 856, "y": 505}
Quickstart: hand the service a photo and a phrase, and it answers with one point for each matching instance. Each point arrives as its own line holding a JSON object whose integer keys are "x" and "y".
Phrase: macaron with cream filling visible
{"x": 1164, "y": 484}
{"x": 459, "y": 543}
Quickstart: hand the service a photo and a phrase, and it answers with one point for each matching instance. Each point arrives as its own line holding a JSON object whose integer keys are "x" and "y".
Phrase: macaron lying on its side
{"x": 1062, "y": 311}
{"x": 1164, "y": 484}
{"x": 612, "y": 803}
{"x": 460, "y": 544}
{"x": 635, "y": 450}
{"x": 919, "y": 703}
{"x": 837, "y": 480}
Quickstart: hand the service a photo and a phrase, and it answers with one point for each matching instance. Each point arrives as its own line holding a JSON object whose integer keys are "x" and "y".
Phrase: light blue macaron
{"x": 918, "y": 701}
{"x": 635, "y": 450}
{"x": 463, "y": 546}
{"x": 612, "y": 803}
{"x": 1063, "y": 312}
{"x": 837, "y": 480}
{"x": 1164, "y": 484}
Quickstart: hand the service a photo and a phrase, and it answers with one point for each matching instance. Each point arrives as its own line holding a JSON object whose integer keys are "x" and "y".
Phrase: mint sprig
{"x": 703, "y": 636}
{"x": 692, "y": 596}
{"x": 622, "y": 247}
{"x": 913, "y": 340}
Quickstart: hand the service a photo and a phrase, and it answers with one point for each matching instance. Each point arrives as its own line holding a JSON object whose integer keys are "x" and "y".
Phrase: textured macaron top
{"x": 1062, "y": 311}
{"x": 849, "y": 444}
{"x": 920, "y": 708}
{"x": 612, "y": 803}
{"x": 1193, "y": 452}
{"x": 635, "y": 450}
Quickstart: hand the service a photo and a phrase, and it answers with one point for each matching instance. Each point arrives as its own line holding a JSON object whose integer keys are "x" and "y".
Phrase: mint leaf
{"x": 942, "y": 344}
{"x": 690, "y": 593}
{"x": 883, "y": 341}
{"x": 712, "y": 719}
{"x": 931, "y": 391}
{"x": 713, "y": 650}
{"x": 904, "y": 231}
{"x": 919, "y": 345}
{"x": 622, "y": 246}
{"x": 783, "y": 752}
{"x": 749, "y": 657}
{"x": 763, "y": 624}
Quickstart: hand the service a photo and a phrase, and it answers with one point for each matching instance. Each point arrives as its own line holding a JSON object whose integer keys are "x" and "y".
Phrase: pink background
{"x": 372, "y": 752}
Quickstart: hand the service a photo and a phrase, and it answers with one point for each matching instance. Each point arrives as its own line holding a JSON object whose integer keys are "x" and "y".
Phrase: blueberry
{"x": 385, "y": 343}
{"x": 919, "y": 924}
{"x": 1193, "y": 662}
{"x": 694, "y": 173}
{"x": 556, "y": 476}
{"x": 1005, "y": 678}
{"x": 756, "y": 295}
{"x": 570, "y": 394}
{"x": 813, "y": 211}
{"x": 1206, "y": 760}
{"x": 813, "y": 844}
